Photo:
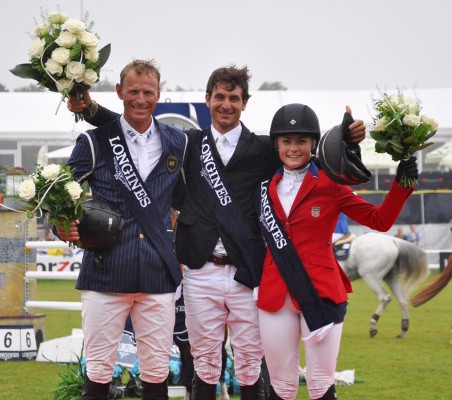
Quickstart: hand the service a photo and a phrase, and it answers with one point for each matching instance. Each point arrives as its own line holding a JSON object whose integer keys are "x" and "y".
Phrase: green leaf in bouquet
{"x": 376, "y": 135}
{"x": 390, "y": 150}
{"x": 380, "y": 146}
{"x": 78, "y": 211}
{"x": 50, "y": 46}
{"x": 104, "y": 53}
{"x": 90, "y": 65}
{"x": 422, "y": 146}
{"x": 45, "y": 205}
{"x": 398, "y": 157}
{"x": 410, "y": 139}
{"x": 396, "y": 143}
{"x": 398, "y": 150}
{"x": 49, "y": 84}
{"x": 429, "y": 135}
{"x": 422, "y": 131}
{"x": 76, "y": 52}
{"x": 26, "y": 71}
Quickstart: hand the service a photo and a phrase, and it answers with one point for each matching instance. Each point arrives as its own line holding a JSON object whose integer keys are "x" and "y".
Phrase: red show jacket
{"x": 310, "y": 226}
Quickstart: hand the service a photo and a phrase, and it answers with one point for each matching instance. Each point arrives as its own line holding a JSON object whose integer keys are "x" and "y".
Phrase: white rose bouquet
{"x": 53, "y": 189}
{"x": 64, "y": 56}
{"x": 400, "y": 129}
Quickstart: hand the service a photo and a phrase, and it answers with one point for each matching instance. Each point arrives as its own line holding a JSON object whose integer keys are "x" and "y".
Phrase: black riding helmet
{"x": 293, "y": 119}
{"x": 342, "y": 161}
{"x": 99, "y": 225}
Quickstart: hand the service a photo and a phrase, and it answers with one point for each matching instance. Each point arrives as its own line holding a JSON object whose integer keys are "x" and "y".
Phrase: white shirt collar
{"x": 231, "y": 136}
{"x": 296, "y": 175}
{"x": 133, "y": 133}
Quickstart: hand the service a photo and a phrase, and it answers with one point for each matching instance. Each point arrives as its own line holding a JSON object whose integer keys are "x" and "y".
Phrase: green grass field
{"x": 386, "y": 368}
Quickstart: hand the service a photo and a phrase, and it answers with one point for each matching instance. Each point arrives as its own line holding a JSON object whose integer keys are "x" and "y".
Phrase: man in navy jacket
{"x": 138, "y": 275}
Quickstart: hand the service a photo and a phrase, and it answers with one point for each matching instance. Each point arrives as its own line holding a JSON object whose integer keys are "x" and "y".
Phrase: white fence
{"x": 60, "y": 275}
{"x": 72, "y": 275}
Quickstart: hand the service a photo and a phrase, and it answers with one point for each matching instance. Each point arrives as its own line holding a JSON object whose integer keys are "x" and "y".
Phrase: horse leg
{"x": 393, "y": 282}
{"x": 384, "y": 298}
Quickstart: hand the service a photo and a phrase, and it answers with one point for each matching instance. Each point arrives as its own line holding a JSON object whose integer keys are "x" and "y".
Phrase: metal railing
{"x": 61, "y": 275}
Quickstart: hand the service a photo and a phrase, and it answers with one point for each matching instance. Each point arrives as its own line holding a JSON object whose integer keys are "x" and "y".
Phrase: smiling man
{"x": 138, "y": 275}
{"x": 218, "y": 237}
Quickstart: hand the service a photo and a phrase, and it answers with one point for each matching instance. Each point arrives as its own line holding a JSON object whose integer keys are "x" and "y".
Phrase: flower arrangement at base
{"x": 400, "y": 129}
{"x": 54, "y": 190}
{"x": 64, "y": 56}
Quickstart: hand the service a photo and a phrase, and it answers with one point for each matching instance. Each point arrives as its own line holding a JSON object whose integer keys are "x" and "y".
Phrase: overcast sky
{"x": 305, "y": 44}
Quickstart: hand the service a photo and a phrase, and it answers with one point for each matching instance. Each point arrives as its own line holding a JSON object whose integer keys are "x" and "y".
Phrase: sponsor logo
{"x": 210, "y": 173}
{"x": 268, "y": 219}
{"x": 125, "y": 172}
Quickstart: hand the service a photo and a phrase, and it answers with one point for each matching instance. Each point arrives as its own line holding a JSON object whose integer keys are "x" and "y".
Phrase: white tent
{"x": 41, "y": 121}
{"x": 436, "y": 156}
{"x": 375, "y": 161}
{"x": 446, "y": 162}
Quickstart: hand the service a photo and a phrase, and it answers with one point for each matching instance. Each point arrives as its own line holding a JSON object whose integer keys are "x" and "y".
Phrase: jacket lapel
{"x": 277, "y": 206}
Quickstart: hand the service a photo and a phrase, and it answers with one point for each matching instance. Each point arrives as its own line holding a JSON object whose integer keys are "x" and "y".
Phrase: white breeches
{"x": 103, "y": 318}
{"x": 281, "y": 332}
{"x": 214, "y": 300}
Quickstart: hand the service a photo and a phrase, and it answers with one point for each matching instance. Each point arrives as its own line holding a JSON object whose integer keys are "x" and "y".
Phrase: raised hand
{"x": 356, "y": 131}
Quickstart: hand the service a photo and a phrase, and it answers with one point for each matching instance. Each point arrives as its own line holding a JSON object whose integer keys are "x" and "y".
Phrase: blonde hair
{"x": 141, "y": 67}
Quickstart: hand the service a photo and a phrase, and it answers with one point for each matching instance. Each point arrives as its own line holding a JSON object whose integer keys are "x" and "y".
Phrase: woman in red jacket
{"x": 303, "y": 290}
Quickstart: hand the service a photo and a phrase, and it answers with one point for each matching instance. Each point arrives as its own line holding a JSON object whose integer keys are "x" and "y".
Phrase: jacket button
{"x": 141, "y": 236}
{"x": 287, "y": 223}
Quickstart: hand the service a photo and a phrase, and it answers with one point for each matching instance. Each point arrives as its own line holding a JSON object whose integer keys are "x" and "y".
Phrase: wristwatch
{"x": 90, "y": 111}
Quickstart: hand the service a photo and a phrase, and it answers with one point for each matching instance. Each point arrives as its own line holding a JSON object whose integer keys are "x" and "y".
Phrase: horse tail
{"x": 412, "y": 264}
{"x": 435, "y": 287}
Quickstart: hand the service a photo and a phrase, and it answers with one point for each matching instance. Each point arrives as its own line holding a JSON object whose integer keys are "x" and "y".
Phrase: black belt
{"x": 225, "y": 260}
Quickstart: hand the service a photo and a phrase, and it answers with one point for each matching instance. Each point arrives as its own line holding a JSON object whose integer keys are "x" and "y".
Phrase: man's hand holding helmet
{"x": 356, "y": 130}
{"x": 98, "y": 227}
